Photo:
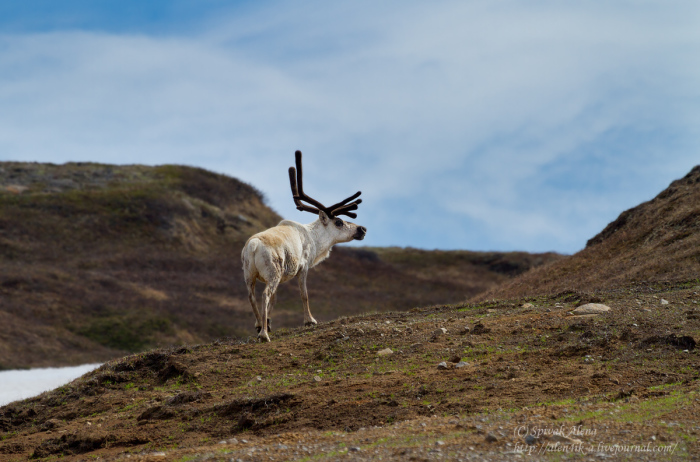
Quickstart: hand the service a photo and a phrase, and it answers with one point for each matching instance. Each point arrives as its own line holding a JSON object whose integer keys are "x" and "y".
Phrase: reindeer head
{"x": 341, "y": 230}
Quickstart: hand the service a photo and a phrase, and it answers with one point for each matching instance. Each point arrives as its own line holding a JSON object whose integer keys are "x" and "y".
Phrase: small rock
{"x": 564, "y": 439}
{"x": 528, "y": 305}
{"x": 491, "y": 438}
{"x": 465, "y": 330}
{"x": 354, "y": 449}
{"x": 461, "y": 364}
{"x": 317, "y": 378}
{"x": 664, "y": 301}
{"x": 16, "y": 188}
{"x": 479, "y": 329}
{"x": 530, "y": 440}
{"x": 442, "y": 365}
{"x": 385, "y": 352}
{"x": 440, "y": 331}
{"x": 591, "y": 308}
{"x": 455, "y": 359}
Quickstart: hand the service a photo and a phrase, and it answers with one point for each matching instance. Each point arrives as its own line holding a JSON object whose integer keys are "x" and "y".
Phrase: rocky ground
{"x": 499, "y": 380}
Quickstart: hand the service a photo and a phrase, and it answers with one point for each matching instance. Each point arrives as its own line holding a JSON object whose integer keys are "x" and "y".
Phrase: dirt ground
{"x": 521, "y": 379}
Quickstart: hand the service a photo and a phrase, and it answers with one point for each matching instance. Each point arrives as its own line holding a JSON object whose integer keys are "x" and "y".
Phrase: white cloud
{"x": 460, "y": 112}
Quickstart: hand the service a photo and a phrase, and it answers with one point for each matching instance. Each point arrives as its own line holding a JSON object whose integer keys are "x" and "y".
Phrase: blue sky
{"x": 501, "y": 125}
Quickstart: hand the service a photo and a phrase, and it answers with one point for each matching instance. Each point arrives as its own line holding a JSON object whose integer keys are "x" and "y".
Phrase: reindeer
{"x": 290, "y": 249}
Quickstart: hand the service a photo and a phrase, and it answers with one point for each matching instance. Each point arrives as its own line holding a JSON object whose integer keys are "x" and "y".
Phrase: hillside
{"x": 499, "y": 380}
{"x": 99, "y": 260}
{"x": 656, "y": 243}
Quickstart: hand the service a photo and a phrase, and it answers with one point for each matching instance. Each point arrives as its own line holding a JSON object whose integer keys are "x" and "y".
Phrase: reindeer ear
{"x": 323, "y": 217}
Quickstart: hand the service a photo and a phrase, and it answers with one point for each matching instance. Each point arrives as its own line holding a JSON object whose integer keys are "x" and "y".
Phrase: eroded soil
{"x": 625, "y": 377}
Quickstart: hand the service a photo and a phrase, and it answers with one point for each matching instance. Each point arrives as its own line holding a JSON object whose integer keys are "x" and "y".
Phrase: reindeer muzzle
{"x": 360, "y": 233}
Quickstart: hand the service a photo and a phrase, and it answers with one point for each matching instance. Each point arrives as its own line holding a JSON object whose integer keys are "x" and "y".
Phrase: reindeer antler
{"x": 343, "y": 207}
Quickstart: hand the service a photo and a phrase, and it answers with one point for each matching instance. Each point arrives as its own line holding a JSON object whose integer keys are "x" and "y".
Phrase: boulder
{"x": 591, "y": 308}
{"x": 385, "y": 352}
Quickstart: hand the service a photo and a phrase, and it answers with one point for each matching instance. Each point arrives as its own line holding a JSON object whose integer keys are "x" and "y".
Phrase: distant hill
{"x": 655, "y": 243}
{"x": 99, "y": 260}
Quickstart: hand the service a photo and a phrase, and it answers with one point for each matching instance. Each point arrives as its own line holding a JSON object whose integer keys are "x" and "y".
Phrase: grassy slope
{"x": 98, "y": 260}
{"x": 655, "y": 243}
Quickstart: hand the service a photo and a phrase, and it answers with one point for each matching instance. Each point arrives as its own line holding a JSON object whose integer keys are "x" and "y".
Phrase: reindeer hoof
{"x": 309, "y": 323}
{"x": 263, "y": 338}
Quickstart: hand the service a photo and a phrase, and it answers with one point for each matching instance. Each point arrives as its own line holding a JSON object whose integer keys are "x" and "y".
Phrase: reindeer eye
{"x": 339, "y": 222}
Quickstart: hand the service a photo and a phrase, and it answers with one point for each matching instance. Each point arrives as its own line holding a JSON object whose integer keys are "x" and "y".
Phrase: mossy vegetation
{"x": 136, "y": 331}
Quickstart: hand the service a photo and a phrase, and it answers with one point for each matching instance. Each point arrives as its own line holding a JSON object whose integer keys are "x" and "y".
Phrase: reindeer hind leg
{"x": 253, "y": 303}
{"x": 268, "y": 296}
{"x": 273, "y": 302}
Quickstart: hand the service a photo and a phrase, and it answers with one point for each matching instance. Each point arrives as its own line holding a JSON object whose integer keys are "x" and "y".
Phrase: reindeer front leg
{"x": 308, "y": 319}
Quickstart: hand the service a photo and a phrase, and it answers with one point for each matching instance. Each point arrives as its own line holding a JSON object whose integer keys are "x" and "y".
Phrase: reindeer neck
{"x": 321, "y": 242}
